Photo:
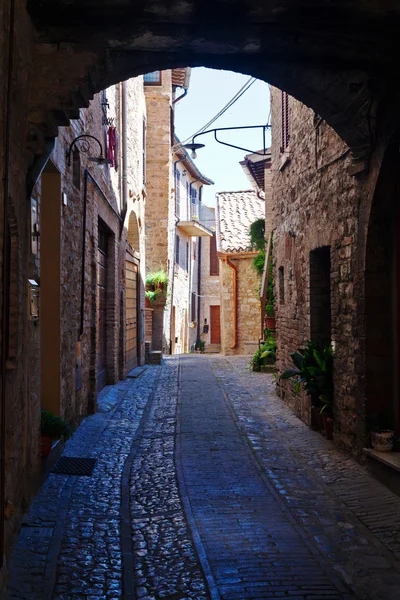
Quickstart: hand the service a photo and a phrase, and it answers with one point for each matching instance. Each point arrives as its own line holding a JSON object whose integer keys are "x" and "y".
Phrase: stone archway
{"x": 312, "y": 53}
{"x": 382, "y": 293}
{"x": 133, "y": 232}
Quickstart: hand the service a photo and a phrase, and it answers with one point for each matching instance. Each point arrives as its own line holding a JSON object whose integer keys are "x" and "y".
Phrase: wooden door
{"x": 102, "y": 310}
{"x": 131, "y": 318}
{"x": 215, "y": 325}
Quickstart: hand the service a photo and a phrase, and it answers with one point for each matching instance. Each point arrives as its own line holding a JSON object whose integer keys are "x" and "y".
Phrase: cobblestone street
{"x": 206, "y": 486}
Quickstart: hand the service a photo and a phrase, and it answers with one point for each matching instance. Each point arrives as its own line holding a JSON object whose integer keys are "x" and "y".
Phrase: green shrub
{"x": 157, "y": 278}
{"x": 266, "y": 355}
{"x": 314, "y": 368}
{"x": 53, "y": 426}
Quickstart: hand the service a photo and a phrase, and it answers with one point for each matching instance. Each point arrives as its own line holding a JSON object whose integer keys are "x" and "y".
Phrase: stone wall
{"x": 248, "y": 316}
{"x": 319, "y": 209}
{"x": 158, "y": 218}
{"x": 210, "y": 288}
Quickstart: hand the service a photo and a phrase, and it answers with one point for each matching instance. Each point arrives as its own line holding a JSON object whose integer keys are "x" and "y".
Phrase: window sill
{"x": 284, "y": 160}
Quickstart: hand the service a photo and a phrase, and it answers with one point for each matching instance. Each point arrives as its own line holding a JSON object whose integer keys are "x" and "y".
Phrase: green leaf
{"x": 289, "y": 373}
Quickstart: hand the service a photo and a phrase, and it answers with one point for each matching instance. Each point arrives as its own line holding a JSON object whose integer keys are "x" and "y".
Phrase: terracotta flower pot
{"x": 46, "y": 444}
{"x": 270, "y": 323}
{"x": 383, "y": 441}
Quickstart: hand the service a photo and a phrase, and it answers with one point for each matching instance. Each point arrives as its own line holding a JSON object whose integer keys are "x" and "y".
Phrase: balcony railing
{"x": 199, "y": 222}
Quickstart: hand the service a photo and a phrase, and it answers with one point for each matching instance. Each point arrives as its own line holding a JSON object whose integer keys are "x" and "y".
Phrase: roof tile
{"x": 236, "y": 211}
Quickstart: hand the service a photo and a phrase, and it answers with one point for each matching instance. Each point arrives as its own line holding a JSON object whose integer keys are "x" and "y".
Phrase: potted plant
{"x": 199, "y": 345}
{"x": 382, "y": 434}
{"x": 52, "y": 428}
{"x": 150, "y": 297}
{"x": 156, "y": 282}
{"x": 265, "y": 356}
{"x": 314, "y": 369}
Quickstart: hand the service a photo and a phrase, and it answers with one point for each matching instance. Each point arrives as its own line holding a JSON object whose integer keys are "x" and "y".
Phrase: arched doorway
{"x": 132, "y": 291}
{"x": 382, "y": 297}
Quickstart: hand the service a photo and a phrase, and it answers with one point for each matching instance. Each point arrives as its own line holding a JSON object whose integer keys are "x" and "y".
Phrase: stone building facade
{"x": 210, "y": 297}
{"x": 335, "y": 258}
{"x": 239, "y": 281}
{"x": 193, "y": 223}
{"x": 84, "y": 230}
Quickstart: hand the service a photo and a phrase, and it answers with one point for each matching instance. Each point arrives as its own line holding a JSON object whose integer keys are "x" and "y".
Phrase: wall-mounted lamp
{"x": 193, "y": 146}
{"x": 85, "y": 146}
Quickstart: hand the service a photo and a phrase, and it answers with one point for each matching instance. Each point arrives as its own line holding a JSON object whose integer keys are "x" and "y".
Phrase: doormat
{"x": 68, "y": 465}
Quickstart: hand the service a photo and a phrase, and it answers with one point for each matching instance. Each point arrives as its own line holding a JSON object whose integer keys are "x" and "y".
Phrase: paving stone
{"x": 206, "y": 486}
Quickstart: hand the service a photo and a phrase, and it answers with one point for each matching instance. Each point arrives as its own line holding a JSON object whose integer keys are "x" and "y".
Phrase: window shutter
{"x": 187, "y": 256}
{"x": 177, "y": 249}
{"x": 214, "y": 262}
{"x": 178, "y": 194}
{"x": 193, "y": 308}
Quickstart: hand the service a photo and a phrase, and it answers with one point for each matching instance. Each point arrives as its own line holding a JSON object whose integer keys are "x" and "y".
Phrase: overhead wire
{"x": 247, "y": 85}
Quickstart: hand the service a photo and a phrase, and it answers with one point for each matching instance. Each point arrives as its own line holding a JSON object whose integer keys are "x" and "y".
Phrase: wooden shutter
{"x": 193, "y": 308}
{"x": 178, "y": 194}
{"x": 177, "y": 249}
{"x": 214, "y": 262}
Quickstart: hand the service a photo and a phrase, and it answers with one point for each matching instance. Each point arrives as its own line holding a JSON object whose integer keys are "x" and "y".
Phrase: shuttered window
{"x": 177, "y": 240}
{"x": 193, "y": 308}
{"x": 214, "y": 263}
{"x": 285, "y": 121}
{"x": 178, "y": 194}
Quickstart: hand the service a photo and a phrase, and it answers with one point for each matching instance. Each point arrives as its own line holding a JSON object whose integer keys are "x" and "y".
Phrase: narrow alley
{"x": 206, "y": 486}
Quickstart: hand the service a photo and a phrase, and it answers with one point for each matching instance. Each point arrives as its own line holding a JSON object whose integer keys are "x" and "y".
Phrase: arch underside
{"x": 333, "y": 59}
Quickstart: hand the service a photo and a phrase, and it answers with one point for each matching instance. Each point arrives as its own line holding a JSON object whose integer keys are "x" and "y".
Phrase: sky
{"x": 209, "y": 91}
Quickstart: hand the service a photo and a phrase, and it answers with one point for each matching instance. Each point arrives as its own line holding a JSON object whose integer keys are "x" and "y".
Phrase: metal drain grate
{"x": 68, "y": 465}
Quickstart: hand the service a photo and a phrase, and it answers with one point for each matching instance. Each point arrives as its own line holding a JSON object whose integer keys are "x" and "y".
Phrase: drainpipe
{"x": 173, "y": 259}
{"x": 235, "y": 302}
{"x": 180, "y": 97}
{"x": 5, "y": 291}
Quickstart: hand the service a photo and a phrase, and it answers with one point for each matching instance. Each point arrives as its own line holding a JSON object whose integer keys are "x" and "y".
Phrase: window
{"x": 281, "y": 285}
{"x": 214, "y": 262}
{"x": 285, "y": 121}
{"x": 193, "y": 308}
{"x": 103, "y": 238}
{"x": 187, "y": 256}
{"x": 182, "y": 255}
{"x": 178, "y": 193}
{"x": 187, "y": 190}
{"x": 76, "y": 168}
{"x": 193, "y": 195}
{"x": 153, "y": 78}
{"x": 177, "y": 240}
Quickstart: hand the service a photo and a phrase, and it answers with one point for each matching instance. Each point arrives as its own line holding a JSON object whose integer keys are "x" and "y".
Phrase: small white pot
{"x": 383, "y": 441}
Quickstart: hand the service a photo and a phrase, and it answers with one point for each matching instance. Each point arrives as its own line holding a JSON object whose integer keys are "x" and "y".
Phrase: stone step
{"x": 154, "y": 357}
{"x": 212, "y": 348}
